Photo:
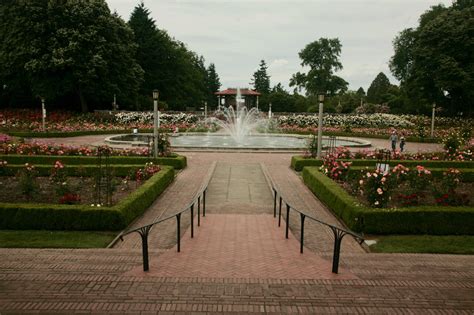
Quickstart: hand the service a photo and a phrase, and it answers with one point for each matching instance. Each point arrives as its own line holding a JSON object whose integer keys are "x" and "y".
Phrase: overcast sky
{"x": 236, "y": 35}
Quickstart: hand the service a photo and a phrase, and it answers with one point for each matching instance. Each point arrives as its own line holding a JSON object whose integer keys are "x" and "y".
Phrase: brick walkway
{"x": 98, "y": 282}
{"x": 240, "y": 246}
{"x": 275, "y": 279}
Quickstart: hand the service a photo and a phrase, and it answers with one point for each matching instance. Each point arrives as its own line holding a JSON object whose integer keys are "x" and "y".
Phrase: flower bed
{"x": 28, "y": 123}
{"x": 82, "y": 216}
{"x": 435, "y": 220}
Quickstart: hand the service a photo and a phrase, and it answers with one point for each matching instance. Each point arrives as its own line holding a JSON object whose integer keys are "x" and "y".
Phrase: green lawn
{"x": 55, "y": 239}
{"x": 451, "y": 244}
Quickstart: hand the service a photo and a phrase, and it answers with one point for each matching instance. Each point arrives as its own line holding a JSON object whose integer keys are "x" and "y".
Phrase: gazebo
{"x": 227, "y": 97}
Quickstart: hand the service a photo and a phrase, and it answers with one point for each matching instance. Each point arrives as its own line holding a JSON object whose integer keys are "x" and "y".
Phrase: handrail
{"x": 145, "y": 229}
{"x": 338, "y": 232}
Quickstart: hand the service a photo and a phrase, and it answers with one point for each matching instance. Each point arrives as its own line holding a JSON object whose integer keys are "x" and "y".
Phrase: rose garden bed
{"x": 421, "y": 219}
{"x": 31, "y": 212}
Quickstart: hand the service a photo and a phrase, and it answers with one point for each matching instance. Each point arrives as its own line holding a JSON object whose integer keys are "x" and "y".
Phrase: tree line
{"x": 78, "y": 55}
{"x": 433, "y": 62}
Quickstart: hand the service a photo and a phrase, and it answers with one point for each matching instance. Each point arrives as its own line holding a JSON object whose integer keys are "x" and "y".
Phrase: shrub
{"x": 377, "y": 188}
{"x": 26, "y": 216}
{"x": 452, "y": 142}
{"x": 27, "y": 180}
{"x": 438, "y": 220}
{"x": 335, "y": 169}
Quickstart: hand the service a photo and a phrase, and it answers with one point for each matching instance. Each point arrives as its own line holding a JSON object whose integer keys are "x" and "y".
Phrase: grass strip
{"x": 55, "y": 239}
{"x": 433, "y": 244}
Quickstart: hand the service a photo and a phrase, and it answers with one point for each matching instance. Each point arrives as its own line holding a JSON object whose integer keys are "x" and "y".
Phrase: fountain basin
{"x": 226, "y": 142}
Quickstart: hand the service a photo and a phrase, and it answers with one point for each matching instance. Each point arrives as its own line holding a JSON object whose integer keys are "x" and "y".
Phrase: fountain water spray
{"x": 240, "y": 122}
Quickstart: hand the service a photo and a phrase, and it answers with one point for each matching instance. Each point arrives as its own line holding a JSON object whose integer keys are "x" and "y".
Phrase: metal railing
{"x": 144, "y": 230}
{"x": 338, "y": 232}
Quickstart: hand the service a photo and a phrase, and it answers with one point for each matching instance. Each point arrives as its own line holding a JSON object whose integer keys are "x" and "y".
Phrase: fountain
{"x": 238, "y": 133}
{"x": 240, "y": 122}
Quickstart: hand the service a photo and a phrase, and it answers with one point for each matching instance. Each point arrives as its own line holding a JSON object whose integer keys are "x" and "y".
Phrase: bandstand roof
{"x": 230, "y": 91}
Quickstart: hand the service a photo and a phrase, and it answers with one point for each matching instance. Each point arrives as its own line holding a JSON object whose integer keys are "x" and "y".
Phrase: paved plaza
{"x": 239, "y": 260}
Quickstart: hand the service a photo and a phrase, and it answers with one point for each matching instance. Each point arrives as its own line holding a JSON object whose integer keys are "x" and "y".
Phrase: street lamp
{"x": 320, "y": 124}
{"x": 156, "y": 122}
{"x": 43, "y": 113}
{"x": 432, "y": 120}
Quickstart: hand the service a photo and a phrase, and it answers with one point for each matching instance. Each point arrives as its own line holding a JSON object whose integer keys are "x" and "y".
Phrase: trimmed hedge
{"x": 72, "y": 170}
{"x": 65, "y": 134}
{"x": 435, "y": 220}
{"x": 467, "y": 174}
{"x": 368, "y": 135}
{"x": 298, "y": 162}
{"x": 83, "y": 217}
{"x": 177, "y": 161}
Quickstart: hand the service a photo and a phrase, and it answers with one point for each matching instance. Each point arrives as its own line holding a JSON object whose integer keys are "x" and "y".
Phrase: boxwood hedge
{"x": 24, "y": 216}
{"x": 436, "y": 220}
{"x": 177, "y": 161}
{"x": 298, "y": 162}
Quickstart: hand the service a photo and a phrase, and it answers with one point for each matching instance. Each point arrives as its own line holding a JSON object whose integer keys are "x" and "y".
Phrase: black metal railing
{"x": 338, "y": 232}
{"x": 144, "y": 231}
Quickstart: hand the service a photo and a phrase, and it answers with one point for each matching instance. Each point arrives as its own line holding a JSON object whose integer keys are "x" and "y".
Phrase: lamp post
{"x": 43, "y": 114}
{"x": 433, "y": 119}
{"x": 156, "y": 122}
{"x": 320, "y": 124}
{"x": 205, "y": 110}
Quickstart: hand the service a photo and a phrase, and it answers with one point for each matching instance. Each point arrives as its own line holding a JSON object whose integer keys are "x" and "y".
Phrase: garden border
{"x": 298, "y": 162}
{"x": 434, "y": 220}
{"x": 24, "y": 216}
{"x": 178, "y": 161}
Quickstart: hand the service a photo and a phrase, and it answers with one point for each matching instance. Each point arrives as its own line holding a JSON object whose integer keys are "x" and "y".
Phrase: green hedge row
{"x": 84, "y": 217}
{"x": 75, "y": 170}
{"x": 370, "y": 135}
{"x": 59, "y": 134}
{"x": 467, "y": 174}
{"x": 177, "y": 161}
{"x": 435, "y": 220}
{"x": 298, "y": 162}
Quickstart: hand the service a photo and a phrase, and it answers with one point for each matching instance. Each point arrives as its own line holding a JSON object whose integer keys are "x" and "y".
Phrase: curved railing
{"x": 199, "y": 198}
{"x": 338, "y": 232}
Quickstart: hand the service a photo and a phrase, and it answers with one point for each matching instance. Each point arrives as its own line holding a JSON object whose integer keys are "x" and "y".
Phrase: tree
{"x": 260, "y": 79}
{"x": 322, "y": 57}
{"x": 178, "y": 73}
{"x": 213, "y": 85}
{"x": 378, "y": 89}
{"x": 434, "y": 62}
{"x": 361, "y": 92}
{"x": 68, "y": 47}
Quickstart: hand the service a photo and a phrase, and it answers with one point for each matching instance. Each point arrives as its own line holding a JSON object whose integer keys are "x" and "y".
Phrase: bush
{"x": 435, "y": 220}
{"x": 177, "y": 161}
{"x": 298, "y": 162}
{"x": 81, "y": 217}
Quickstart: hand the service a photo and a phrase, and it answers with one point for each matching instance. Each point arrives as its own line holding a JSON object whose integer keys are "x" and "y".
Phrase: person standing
{"x": 394, "y": 140}
{"x": 402, "y": 143}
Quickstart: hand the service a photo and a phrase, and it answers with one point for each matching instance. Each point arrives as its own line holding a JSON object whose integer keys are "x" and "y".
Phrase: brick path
{"x": 111, "y": 281}
{"x": 98, "y": 282}
{"x": 240, "y": 246}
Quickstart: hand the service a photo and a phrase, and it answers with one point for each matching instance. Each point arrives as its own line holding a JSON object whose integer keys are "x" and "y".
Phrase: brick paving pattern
{"x": 240, "y": 246}
{"x": 99, "y": 281}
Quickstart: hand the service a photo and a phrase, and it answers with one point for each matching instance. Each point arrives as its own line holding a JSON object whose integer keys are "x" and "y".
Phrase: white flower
{"x": 379, "y": 191}
{"x": 376, "y": 203}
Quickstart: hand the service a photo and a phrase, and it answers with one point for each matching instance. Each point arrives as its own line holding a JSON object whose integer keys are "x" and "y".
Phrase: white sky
{"x": 236, "y": 35}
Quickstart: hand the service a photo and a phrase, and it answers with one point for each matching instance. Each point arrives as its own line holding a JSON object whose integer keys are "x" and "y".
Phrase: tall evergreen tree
{"x": 213, "y": 85}
{"x": 377, "y": 92}
{"x": 260, "y": 79}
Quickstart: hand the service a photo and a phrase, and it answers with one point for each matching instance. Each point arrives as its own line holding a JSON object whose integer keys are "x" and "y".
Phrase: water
{"x": 222, "y": 141}
{"x": 238, "y": 123}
